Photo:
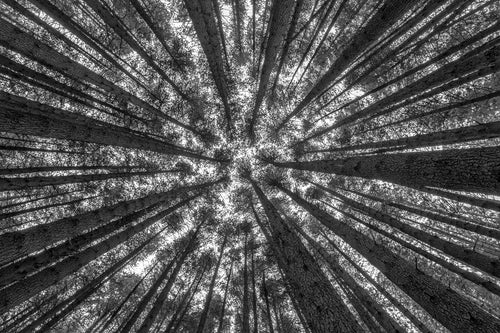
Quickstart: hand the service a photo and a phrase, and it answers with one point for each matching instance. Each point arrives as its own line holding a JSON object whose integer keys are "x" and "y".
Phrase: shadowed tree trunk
{"x": 446, "y": 306}
{"x": 208, "y": 299}
{"x": 474, "y": 169}
{"x": 321, "y": 305}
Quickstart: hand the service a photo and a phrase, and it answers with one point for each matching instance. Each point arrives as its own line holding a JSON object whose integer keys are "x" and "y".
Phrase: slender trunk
{"x": 466, "y": 274}
{"x": 124, "y": 301}
{"x": 208, "y": 299}
{"x": 281, "y": 15}
{"x": 388, "y": 14}
{"x": 21, "y": 291}
{"x": 63, "y": 308}
{"x": 446, "y": 306}
{"x": 478, "y": 260}
{"x": 451, "y": 136}
{"x": 474, "y": 169}
{"x": 223, "y": 310}
{"x": 34, "y": 209}
{"x": 459, "y": 223}
{"x": 111, "y": 20}
{"x": 321, "y": 305}
{"x": 203, "y": 17}
{"x": 23, "y": 116}
{"x": 162, "y": 297}
{"x": 153, "y": 289}
{"x": 17, "y": 40}
{"x": 36, "y": 169}
{"x": 186, "y": 297}
{"x": 16, "y": 244}
{"x": 245, "y": 308}
{"x": 266, "y": 299}
{"x": 14, "y": 184}
{"x": 254, "y": 297}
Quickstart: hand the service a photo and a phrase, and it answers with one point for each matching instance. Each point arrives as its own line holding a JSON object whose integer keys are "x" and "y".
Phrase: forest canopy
{"x": 249, "y": 166}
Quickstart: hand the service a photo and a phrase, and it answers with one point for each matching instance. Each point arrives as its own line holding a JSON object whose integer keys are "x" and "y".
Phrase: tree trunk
{"x": 23, "y": 116}
{"x": 246, "y": 308}
{"x": 14, "y": 184}
{"x": 452, "y": 310}
{"x": 254, "y": 298}
{"x": 388, "y": 14}
{"x": 162, "y": 297}
{"x": 208, "y": 299}
{"x": 474, "y": 169}
{"x": 223, "y": 310}
{"x": 203, "y": 18}
{"x": 266, "y": 299}
{"x": 32, "y": 285}
{"x": 375, "y": 308}
{"x": 478, "y": 260}
{"x": 16, "y": 244}
{"x": 281, "y": 15}
{"x": 321, "y": 305}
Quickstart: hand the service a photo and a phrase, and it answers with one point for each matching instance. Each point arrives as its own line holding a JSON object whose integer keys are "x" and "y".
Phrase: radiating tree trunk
{"x": 124, "y": 301}
{"x": 281, "y": 15}
{"x": 203, "y": 17}
{"x": 254, "y": 297}
{"x": 16, "y": 244}
{"x": 139, "y": 309}
{"x": 110, "y": 19}
{"x": 23, "y": 116}
{"x": 449, "y": 308}
{"x": 60, "y": 310}
{"x": 223, "y": 310}
{"x": 478, "y": 260}
{"x": 245, "y": 308}
{"x": 17, "y": 40}
{"x": 21, "y": 291}
{"x": 474, "y": 169}
{"x": 14, "y": 184}
{"x": 459, "y": 223}
{"x": 266, "y": 299}
{"x": 208, "y": 299}
{"x": 451, "y": 136}
{"x": 162, "y": 296}
{"x": 386, "y": 16}
{"x": 321, "y": 305}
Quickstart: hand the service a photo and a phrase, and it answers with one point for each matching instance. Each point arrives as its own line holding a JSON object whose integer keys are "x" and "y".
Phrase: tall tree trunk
{"x": 474, "y": 169}
{"x": 23, "y": 116}
{"x": 139, "y": 309}
{"x": 21, "y": 291}
{"x": 17, "y": 40}
{"x": 63, "y": 308}
{"x": 266, "y": 299}
{"x": 16, "y": 244}
{"x": 281, "y": 15}
{"x": 186, "y": 298}
{"x": 254, "y": 297}
{"x": 208, "y": 299}
{"x": 478, "y": 260}
{"x": 446, "y": 306}
{"x": 386, "y": 16}
{"x": 203, "y": 18}
{"x": 246, "y": 300}
{"x": 223, "y": 310}
{"x": 321, "y": 305}
{"x": 162, "y": 297}
{"x": 14, "y": 184}
{"x": 451, "y": 136}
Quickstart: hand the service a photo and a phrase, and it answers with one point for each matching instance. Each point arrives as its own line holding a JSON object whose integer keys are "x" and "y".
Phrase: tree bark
{"x": 474, "y": 169}
{"x": 452, "y": 310}
{"x": 322, "y": 307}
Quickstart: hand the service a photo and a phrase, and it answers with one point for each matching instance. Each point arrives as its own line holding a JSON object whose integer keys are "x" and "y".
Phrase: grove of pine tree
{"x": 272, "y": 166}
